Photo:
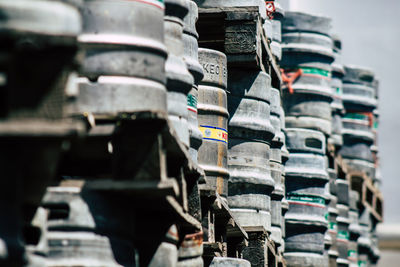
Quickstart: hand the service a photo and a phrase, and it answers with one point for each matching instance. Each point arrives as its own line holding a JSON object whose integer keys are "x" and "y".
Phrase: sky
{"x": 370, "y": 33}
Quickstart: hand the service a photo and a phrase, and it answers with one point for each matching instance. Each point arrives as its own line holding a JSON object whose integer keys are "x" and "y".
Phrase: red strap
{"x": 270, "y": 9}
{"x": 289, "y": 77}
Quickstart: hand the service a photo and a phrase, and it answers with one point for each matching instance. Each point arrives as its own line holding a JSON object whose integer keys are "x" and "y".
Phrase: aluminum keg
{"x": 235, "y": 3}
{"x": 332, "y": 231}
{"x": 179, "y": 79}
{"x": 123, "y": 70}
{"x": 275, "y": 45}
{"x": 213, "y": 119}
{"x": 354, "y": 229}
{"x": 191, "y": 57}
{"x": 358, "y": 125}
{"x": 307, "y": 58}
{"x": 167, "y": 252}
{"x": 294, "y": 259}
{"x": 358, "y": 90}
{"x": 343, "y": 234}
{"x": 364, "y": 241}
{"x": 337, "y": 75}
{"x": 39, "y": 42}
{"x": 78, "y": 235}
{"x": 229, "y": 262}
{"x": 191, "y": 251}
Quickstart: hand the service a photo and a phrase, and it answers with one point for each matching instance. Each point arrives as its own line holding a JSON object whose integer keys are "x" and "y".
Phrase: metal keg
{"x": 123, "y": 70}
{"x": 213, "y": 119}
{"x": 250, "y": 133}
{"x": 307, "y": 58}
{"x": 284, "y": 151}
{"x": 167, "y": 253}
{"x": 354, "y": 229}
{"x": 191, "y": 251}
{"x": 364, "y": 241}
{"x": 332, "y": 231}
{"x": 39, "y": 43}
{"x": 358, "y": 90}
{"x": 191, "y": 57}
{"x": 78, "y": 235}
{"x": 235, "y": 3}
{"x": 337, "y": 75}
{"x": 358, "y": 125}
{"x": 294, "y": 259}
{"x": 275, "y": 45}
{"x": 179, "y": 79}
{"x": 229, "y": 262}
{"x": 343, "y": 233}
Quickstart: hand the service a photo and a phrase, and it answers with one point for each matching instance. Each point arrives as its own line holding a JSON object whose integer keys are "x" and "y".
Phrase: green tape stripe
{"x": 332, "y": 226}
{"x": 192, "y": 101}
{"x": 339, "y": 91}
{"x": 343, "y": 235}
{"x": 376, "y": 124}
{"x": 316, "y": 71}
{"x": 356, "y": 116}
{"x": 362, "y": 264}
{"x": 306, "y": 199}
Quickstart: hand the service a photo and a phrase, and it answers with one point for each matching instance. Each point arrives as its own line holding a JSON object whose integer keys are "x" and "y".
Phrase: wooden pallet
{"x": 370, "y": 196}
{"x": 238, "y": 32}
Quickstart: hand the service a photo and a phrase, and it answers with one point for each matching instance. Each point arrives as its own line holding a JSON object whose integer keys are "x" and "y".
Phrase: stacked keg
{"x": 123, "y": 72}
{"x": 307, "y": 97}
{"x": 213, "y": 120}
{"x": 276, "y": 165}
{"x": 332, "y": 251}
{"x": 359, "y": 102}
{"x": 343, "y": 221}
{"x": 337, "y": 88}
{"x": 354, "y": 229}
{"x": 39, "y": 44}
{"x": 366, "y": 225}
{"x": 250, "y": 135}
{"x": 276, "y": 24}
{"x": 306, "y": 177}
{"x": 179, "y": 79}
{"x": 374, "y": 148}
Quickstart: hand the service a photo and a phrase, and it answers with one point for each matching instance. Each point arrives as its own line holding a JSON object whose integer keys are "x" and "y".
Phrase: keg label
{"x": 192, "y": 103}
{"x": 313, "y": 201}
{"x": 214, "y": 133}
{"x": 214, "y": 69}
{"x": 343, "y": 235}
{"x": 315, "y": 71}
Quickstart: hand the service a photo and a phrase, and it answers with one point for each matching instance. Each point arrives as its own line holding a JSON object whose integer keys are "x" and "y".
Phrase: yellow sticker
{"x": 214, "y": 133}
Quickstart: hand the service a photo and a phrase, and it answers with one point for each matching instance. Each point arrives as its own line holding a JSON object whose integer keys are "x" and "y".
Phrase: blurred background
{"x": 370, "y": 36}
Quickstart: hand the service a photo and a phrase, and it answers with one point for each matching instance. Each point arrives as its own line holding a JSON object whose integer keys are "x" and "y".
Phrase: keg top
{"x": 189, "y": 22}
{"x": 40, "y": 17}
{"x": 305, "y": 22}
{"x": 214, "y": 66}
{"x": 176, "y": 8}
{"x": 358, "y": 74}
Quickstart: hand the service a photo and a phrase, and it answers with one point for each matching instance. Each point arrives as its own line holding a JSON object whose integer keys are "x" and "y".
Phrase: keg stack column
{"x": 307, "y": 96}
{"x": 39, "y": 44}
{"x": 249, "y": 127}
{"x": 133, "y": 165}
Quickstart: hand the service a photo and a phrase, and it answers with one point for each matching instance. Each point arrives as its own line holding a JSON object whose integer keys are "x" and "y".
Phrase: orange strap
{"x": 290, "y": 77}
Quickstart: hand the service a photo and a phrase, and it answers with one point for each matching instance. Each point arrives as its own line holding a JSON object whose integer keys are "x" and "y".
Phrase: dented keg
{"x": 123, "y": 67}
{"x": 191, "y": 57}
{"x": 250, "y": 137}
{"x": 213, "y": 119}
{"x": 179, "y": 79}
{"x": 78, "y": 233}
